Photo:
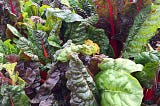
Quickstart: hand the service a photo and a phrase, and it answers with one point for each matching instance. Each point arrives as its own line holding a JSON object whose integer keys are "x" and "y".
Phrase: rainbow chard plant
{"x": 79, "y": 52}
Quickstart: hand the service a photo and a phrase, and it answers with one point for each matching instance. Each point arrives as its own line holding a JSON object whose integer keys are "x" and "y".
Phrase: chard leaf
{"x": 65, "y": 15}
{"x": 14, "y": 30}
{"x": 146, "y": 76}
{"x": 118, "y": 88}
{"x": 150, "y": 60}
{"x": 30, "y": 8}
{"x": 15, "y": 94}
{"x": 88, "y": 48}
{"x": 65, "y": 2}
{"x": 79, "y": 32}
{"x": 13, "y": 75}
{"x": 1, "y": 57}
{"x": 10, "y": 48}
{"x": 54, "y": 41}
{"x": 145, "y": 57}
{"x": 81, "y": 93}
{"x": 120, "y": 65}
{"x": 142, "y": 31}
{"x": 27, "y": 47}
{"x": 42, "y": 8}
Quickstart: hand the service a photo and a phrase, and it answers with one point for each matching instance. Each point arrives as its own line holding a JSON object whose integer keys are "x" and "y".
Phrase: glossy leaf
{"x": 14, "y": 30}
{"x": 124, "y": 91}
{"x": 65, "y": 15}
{"x": 120, "y": 65}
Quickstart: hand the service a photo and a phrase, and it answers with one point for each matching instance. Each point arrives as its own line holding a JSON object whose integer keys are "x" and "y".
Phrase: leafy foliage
{"x": 150, "y": 60}
{"x": 88, "y": 48}
{"x": 12, "y": 74}
{"x": 125, "y": 90}
{"x": 27, "y": 47}
{"x": 64, "y": 76}
{"x": 29, "y": 72}
{"x": 6, "y": 16}
{"x": 137, "y": 41}
{"x": 53, "y": 91}
{"x": 80, "y": 95}
{"x": 85, "y": 30}
{"x": 120, "y": 65}
{"x": 13, "y": 95}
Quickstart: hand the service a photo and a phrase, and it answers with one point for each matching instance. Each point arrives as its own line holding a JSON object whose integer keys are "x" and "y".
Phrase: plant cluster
{"x": 79, "y": 52}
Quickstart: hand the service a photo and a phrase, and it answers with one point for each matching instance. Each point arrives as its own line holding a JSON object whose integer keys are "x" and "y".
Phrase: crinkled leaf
{"x": 1, "y": 57}
{"x": 79, "y": 32}
{"x": 151, "y": 68}
{"x": 143, "y": 79}
{"x": 15, "y": 94}
{"x": 88, "y": 49}
{"x": 30, "y": 73}
{"x": 142, "y": 31}
{"x": 65, "y": 2}
{"x": 120, "y": 64}
{"x": 81, "y": 93}
{"x": 118, "y": 89}
{"x": 27, "y": 47}
{"x": 145, "y": 57}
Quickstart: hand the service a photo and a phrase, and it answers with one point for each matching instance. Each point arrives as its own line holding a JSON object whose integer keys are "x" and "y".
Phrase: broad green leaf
{"x": 118, "y": 89}
{"x": 65, "y": 15}
{"x": 120, "y": 64}
{"x": 14, "y": 30}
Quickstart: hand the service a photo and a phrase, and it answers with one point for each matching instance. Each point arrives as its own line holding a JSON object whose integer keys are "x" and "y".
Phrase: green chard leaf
{"x": 120, "y": 65}
{"x": 118, "y": 88}
{"x": 65, "y": 15}
{"x": 27, "y": 47}
{"x": 81, "y": 85}
{"x": 9, "y": 48}
{"x": 150, "y": 60}
{"x": 15, "y": 94}
{"x": 145, "y": 57}
{"x": 14, "y": 30}
{"x": 143, "y": 29}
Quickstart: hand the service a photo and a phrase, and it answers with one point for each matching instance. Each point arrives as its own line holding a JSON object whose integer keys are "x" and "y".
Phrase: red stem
{"x": 12, "y": 7}
{"x": 112, "y": 42}
{"x": 140, "y": 5}
{"x": 44, "y": 50}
